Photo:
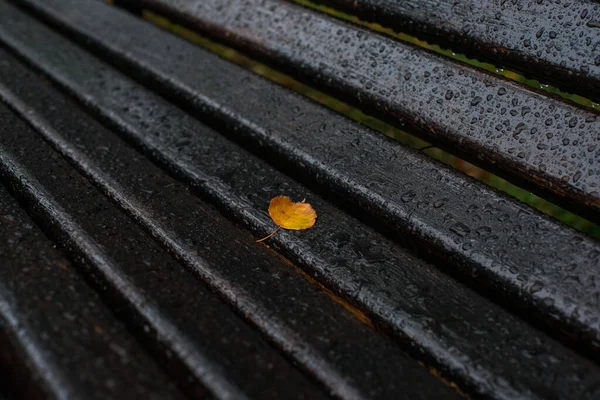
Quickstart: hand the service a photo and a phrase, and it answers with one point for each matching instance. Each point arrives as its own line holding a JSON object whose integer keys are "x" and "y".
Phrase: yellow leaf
{"x": 289, "y": 215}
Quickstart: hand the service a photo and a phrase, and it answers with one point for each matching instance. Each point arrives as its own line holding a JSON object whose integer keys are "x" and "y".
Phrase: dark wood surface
{"x": 151, "y": 163}
{"x": 425, "y": 310}
{"x": 501, "y": 245}
{"x": 57, "y": 339}
{"x": 554, "y": 41}
{"x": 204, "y": 346}
{"x": 540, "y": 141}
{"x": 197, "y": 339}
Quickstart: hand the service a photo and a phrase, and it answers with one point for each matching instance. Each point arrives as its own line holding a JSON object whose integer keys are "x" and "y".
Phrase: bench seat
{"x": 150, "y": 162}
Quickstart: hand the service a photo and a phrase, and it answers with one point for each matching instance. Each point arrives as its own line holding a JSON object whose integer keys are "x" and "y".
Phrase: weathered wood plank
{"x": 308, "y": 327}
{"x": 541, "y": 142}
{"x": 554, "y": 41}
{"x": 530, "y": 262}
{"x": 440, "y": 320}
{"x": 57, "y": 338}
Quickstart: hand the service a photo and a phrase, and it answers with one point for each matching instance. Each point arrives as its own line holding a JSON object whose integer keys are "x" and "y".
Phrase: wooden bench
{"x": 136, "y": 169}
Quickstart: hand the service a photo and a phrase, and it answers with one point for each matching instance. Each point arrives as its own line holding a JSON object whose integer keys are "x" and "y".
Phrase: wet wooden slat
{"x": 203, "y": 345}
{"x": 551, "y": 269}
{"x": 555, "y": 41}
{"x": 57, "y": 338}
{"x": 303, "y": 322}
{"x": 539, "y": 141}
{"x": 438, "y": 319}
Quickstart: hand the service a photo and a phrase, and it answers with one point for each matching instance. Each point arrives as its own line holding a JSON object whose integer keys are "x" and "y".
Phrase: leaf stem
{"x": 271, "y": 234}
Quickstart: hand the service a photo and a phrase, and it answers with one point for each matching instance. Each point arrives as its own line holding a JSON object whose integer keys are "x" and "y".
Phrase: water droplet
{"x": 460, "y": 229}
{"x": 476, "y": 101}
{"x": 408, "y": 196}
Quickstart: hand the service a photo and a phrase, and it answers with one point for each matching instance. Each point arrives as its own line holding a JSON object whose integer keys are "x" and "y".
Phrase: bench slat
{"x": 57, "y": 339}
{"x": 550, "y": 146}
{"x": 555, "y": 41}
{"x": 442, "y": 321}
{"x": 523, "y": 257}
{"x": 206, "y": 347}
{"x": 297, "y": 317}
